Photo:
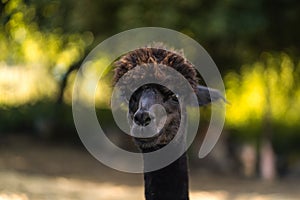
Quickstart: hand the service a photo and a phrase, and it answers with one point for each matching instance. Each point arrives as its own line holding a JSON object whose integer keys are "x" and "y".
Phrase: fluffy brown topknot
{"x": 159, "y": 56}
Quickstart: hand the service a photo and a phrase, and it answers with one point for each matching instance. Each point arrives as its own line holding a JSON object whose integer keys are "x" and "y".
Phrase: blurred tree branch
{"x": 65, "y": 77}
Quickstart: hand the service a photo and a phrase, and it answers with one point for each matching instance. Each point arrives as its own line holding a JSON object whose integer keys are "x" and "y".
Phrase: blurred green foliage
{"x": 32, "y": 60}
{"x": 265, "y": 102}
{"x": 268, "y": 89}
{"x": 41, "y": 39}
{"x": 234, "y": 31}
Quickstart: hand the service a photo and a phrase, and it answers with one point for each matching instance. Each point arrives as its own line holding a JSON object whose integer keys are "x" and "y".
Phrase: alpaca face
{"x": 154, "y": 111}
{"x": 154, "y": 116}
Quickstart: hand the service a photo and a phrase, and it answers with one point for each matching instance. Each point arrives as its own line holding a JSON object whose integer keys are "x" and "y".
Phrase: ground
{"x": 31, "y": 169}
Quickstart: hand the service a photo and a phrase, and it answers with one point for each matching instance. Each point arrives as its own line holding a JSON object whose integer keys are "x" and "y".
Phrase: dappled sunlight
{"x": 214, "y": 195}
{"x": 42, "y": 187}
{"x": 20, "y": 85}
{"x": 13, "y": 197}
{"x": 37, "y": 187}
{"x": 42, "y": 171}
{"x": 246, "y": 93}
{"x": 32, "y": 51}
{"x": 268, "y": 88}
{"x": 33, "y": 61}
{"x": 92, "y": 71}
{"x": 44, "y": 43}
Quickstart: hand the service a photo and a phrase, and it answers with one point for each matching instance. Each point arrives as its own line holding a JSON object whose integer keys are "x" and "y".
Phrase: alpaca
{"x": 170, "y": 182}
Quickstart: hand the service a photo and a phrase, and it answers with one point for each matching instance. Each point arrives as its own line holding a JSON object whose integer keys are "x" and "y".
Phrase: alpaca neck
{"x": 168, "y": 183}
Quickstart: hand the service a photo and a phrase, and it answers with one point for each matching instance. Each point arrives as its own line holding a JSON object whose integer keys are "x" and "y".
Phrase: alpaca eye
{"x": 174, "y": 97}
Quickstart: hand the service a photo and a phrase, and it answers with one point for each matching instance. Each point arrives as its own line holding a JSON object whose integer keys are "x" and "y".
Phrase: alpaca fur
{"x": 170, "y": 182}
{"x": 153, "y": 55}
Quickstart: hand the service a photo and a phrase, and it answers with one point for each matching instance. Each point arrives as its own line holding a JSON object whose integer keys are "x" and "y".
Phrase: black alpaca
{"x": 170, "y": 182}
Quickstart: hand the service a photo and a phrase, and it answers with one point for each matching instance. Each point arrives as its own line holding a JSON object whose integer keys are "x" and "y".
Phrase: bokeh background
{"x": 255, "y": 45}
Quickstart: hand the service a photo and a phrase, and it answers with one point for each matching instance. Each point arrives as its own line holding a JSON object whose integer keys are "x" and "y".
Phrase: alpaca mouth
{"x": 145, "y": 133}
{"x": 147, "y": 142}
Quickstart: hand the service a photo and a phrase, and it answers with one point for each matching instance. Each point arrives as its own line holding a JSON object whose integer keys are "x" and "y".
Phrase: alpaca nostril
{"x": 142, "y": 118}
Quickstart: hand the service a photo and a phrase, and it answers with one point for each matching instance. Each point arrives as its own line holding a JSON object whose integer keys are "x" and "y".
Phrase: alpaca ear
{"x": 207, "y": 95}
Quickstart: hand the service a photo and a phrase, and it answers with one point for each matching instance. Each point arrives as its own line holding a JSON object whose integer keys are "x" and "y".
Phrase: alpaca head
{"x": 154, "y": 110}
